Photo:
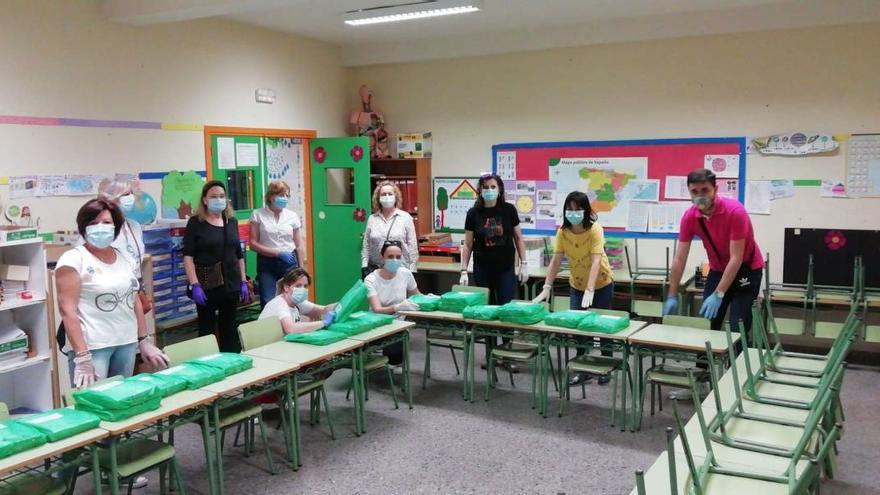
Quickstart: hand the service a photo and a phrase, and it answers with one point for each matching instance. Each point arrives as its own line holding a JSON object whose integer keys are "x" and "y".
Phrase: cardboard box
{"x": 414, "y": 145}
{"x": 21, "y": 273}
{"x": 9, "y": 233}
{"x": 435, "y": 238}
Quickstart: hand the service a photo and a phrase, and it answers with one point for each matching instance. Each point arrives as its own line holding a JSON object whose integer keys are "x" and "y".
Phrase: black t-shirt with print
{"x": 494, "y": 246}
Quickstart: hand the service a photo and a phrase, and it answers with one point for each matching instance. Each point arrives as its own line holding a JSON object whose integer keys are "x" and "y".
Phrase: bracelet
{"x": 141, "y": 338}
{"x": 464, "y": 270}
{"x": 82, "y": 354}
{"x": 547, "y": 286}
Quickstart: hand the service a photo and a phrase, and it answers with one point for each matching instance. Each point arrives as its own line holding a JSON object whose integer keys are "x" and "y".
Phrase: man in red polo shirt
{"x": 735, "y": 262}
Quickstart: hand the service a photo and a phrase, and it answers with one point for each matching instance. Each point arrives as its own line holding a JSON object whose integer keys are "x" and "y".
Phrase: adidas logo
{"x": 745, "y": 282}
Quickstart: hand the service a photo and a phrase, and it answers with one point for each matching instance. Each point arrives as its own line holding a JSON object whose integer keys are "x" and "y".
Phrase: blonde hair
{"x": 202, "y": 211}
{"x": 397, "y": 194}
{"x": 112, "y": 190}
{"x": 277, "y": 186}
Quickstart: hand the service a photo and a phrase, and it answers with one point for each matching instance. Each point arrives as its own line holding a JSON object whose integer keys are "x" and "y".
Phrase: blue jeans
{"x": 109, "y": 361}
{"x": 738, "y": 300}
{"x": 602, "y": 299}
{"x": 269, "y": 271}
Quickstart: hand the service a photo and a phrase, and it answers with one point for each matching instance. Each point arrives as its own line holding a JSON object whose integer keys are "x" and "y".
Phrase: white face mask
{"x": 387, "y": 201}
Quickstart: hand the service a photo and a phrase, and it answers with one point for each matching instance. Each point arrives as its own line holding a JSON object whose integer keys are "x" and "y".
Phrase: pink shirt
{"x": 729, "y": 222}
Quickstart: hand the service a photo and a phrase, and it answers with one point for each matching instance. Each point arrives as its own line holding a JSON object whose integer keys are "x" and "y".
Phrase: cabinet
{"x": 413, "y": 177}
{"x": 28, "y": 381}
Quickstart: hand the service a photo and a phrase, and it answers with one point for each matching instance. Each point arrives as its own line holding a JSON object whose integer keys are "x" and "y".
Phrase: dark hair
{"x": 580, "y": 199}
{"x": 701, "y": 175}
{"x": 388, "y": 244}
{"x": 482, "y": 180}
{"x": 291, "y": 277}
{"x": 92, "y": 208}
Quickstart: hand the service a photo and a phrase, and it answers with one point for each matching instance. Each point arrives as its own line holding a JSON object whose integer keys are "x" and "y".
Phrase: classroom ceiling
{"x": 501, "y": 26}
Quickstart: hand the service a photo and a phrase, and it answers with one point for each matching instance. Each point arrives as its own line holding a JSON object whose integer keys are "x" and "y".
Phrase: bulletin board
{"x": 453, "y": 197}
{"x": 636, "y": 187}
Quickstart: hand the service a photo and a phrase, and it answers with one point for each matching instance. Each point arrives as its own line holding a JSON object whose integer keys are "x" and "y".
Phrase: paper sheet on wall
{"x": 665, "y": 218}
{"x": 645, "y": 190}
{"x": 506, "y": 165}
{"x": 724, "y": 166}
{"x": 758, "y": 197}
{"x": 728, "y": 188}
{"x": 638, "y": 217}
{"x": 863, "y": 166}
{"x": 832, "y": 189}
{"x": 52, "y": 185}
{"x": 225, "y": 153}
{"x": 23, "y": 186}
{"x": 676, "y": 187}
{"x": 781, "y": 188}
{"x": 247, "y": 154}
{"x": 82, "y": 185}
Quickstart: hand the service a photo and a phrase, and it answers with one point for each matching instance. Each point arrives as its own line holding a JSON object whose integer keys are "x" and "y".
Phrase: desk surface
{"x": 396, "y": 326}
{"x": 262, "y": 371}
{"x": 689, "y": 339}
{"x": 51, "y": 449}
{"x": 303, "y": 354}
{"x": 634, "y": 326}
{"x": 171, "y": 405}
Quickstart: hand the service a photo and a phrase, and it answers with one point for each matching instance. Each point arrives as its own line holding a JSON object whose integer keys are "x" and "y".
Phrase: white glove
{"x": 587, "y": 301}
{"x": 152, "y": 355}
{"x": 543, "y": 295}
{"x": 406, "y": 305}
{"x": 463, "y": 280}
{"x": 83, "y": 371}
{"x": 523, "y": 273}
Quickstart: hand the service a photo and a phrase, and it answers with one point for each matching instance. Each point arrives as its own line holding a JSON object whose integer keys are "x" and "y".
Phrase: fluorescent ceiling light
{"x": 410, "y": 12}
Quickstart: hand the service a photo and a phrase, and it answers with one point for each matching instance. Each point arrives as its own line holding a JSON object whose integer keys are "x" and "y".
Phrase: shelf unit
{"x": 417, "y": 170}
{"x": 29, "y": 385}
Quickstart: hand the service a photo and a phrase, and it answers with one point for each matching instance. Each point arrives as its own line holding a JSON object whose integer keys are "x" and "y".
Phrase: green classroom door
{"x": 340, "y": 177}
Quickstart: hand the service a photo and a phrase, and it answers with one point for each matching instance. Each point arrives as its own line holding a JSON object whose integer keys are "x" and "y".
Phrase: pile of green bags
{"x": 374, "y": 320}
{"x": 353, "y": 300}
{"x": 59, "y": 424}
{"x": 17, "y": 437}
{"x": 167, "y": 384}
{"x": 194, "y": 374}
{"x": 118, "y": 399}
{"x": 570, "y": 318}
{"x": 455, "y": 301}
{"x": 483, "y": 312}
{"x": 522, "y": 313}
{"x": 351, "y": 327}
{"x": 426, "y": 302}
{"x": 357, "y": 323}
{"x": 228, "y": 362}
{"x": 606, "y": 324}
{"x": 318, "y": 337}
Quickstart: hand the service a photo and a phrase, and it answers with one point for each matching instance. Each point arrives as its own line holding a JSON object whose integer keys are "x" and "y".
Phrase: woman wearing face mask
{"x": 388, "y": 289}
{"x": 214, "y": 264}
{"x": 130, "y": 240}
{"x": 388, "y": 223}
{"x": 276, "y": 236}
{"x": 103, "y": 319}
{"x": 582, "y": 241}
{"x": 291, "y": 302}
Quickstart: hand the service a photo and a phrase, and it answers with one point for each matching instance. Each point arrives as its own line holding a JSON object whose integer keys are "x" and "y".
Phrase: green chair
{"x": 373, "y": 364}
{"x": 267, "y": 331}
{"x": 243, "y": 414}
{"x": 32, "y": 482}
{"x": 560, "y": 303}
{"x": 449, "y": 339}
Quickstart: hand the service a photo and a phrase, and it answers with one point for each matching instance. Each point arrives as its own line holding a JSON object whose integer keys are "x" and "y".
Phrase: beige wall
{"x": 60, "y": 58}
{"x": 752, "y": 84}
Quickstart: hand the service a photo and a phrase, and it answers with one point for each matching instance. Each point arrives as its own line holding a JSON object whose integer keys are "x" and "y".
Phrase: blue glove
{"x": 670, "y": 306}
{"x": 329, "y": 318}
{"x": 198, "y": 294}
{"x": 287, "y": 257}
{"x": 243, "y": 291}
{"x": 710, "y": 306}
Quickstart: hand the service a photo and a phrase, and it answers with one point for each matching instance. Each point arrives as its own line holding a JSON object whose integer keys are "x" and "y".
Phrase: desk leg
{"x": 470, "y": 371}
{"x": 464, "y": 362}
{"x": 406, "y": 378}
{"x": 113, "y": 476}
{"x": 285, "y": 424}
{"x": 218, "y": 447}
{"x": 624, "y": 369}
{"x": 544, "y": 368}
{"x": 210, "y": 455}
{"x": 637, "y": 390}
{"x": 96, "y": 469}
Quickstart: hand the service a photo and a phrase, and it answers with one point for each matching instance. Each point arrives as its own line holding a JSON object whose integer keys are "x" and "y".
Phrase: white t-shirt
{"x": 106, "y": 298}
{"x": 277, "y": 233}
{"x": 278, "y": 307}
{"x": 390, "y": 291}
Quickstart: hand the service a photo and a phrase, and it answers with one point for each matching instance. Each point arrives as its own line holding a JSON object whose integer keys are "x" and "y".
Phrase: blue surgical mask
{"x": 702, "y": 202}
{"x": 392, "y": 265}
{"x": 299, "y": 294}
{"x": 575, "y": 217}
{"x": 490, "y": 194}
{"x": 216, "y": 205}
{"x": 280, "y": 201}
{"x": 126, "y": 203}
{"x": 100, "y": 235}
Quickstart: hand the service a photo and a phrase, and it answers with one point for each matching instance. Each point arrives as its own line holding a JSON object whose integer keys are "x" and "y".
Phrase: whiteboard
{"x": 460, "y": 194}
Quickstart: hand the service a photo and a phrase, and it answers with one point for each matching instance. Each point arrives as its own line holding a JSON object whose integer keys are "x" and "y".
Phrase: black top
{"x": 494, "y": 246}
{"x": 204, "y": 242}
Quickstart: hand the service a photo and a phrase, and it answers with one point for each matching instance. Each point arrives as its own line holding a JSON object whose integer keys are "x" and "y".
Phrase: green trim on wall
{"x": 807, "y": 182}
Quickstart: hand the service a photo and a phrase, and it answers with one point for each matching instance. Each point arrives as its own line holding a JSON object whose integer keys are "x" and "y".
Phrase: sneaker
{"x": 139, "y": 482}
{"x": 579, "y": 378}
{"x": 604, "y": 379}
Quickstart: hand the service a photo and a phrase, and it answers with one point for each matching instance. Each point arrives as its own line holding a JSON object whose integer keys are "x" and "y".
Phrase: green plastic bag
{"x": 318, "y": 337}
{"x": 230, "y": 362}
{"x": 484, "y": 312}
{"x": 117, "y": 395}
{"x": 195, "y": 375}
{"x": 167, "y": 384}
{"x": 353, "y": 326}
{"x": 606, "y": 324}
{"x": 352, "y": 301}
{"x": 59, "y": 424}
{"x": 522, "y": 313}
{"x": 375, "y": 320}
{"x": 121, "y": 414}
{"x": 455, "y": 301}
{"x": 569, "y": 318}
{"x": 16, "y": 437}
{"x": 426, "y": 302}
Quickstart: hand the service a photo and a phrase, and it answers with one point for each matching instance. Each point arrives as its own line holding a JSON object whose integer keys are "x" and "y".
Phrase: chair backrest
{"x": 67, "y": 399}
{"x": 687, "y": 321}
{"x": 560, "y": 303}
{"x": 4, "y": 411}
{"x": 260, "y": 332}
{"x": 609, "y": 312}
{"x": 191, "y": 349}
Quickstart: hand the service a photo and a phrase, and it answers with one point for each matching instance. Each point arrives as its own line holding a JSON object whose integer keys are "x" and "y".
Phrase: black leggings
{"x": 226, "y": 304}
